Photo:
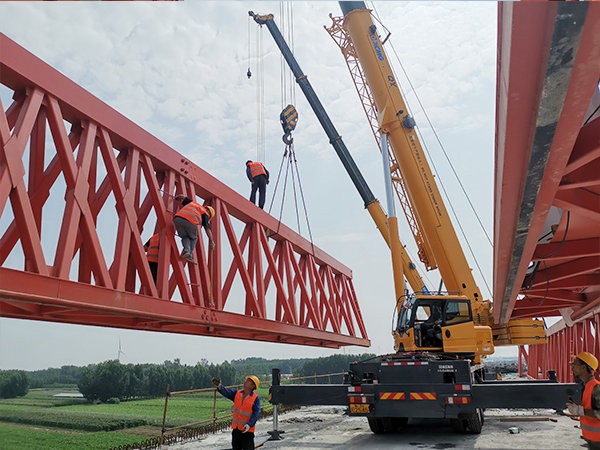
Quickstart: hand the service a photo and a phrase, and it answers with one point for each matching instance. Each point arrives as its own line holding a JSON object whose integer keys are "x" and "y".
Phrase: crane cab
{"x": 441, "y": 323}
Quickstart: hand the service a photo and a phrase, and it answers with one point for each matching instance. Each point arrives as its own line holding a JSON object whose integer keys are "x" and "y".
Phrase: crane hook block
{"x": 288, "y": 139}
{"x": 288, "y": 118}
{"x": 248, "y": 74}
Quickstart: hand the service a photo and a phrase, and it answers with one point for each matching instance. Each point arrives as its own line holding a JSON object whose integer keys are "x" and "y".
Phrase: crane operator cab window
{"x": 430, "y": 316}
{"x": 429, "y": 319}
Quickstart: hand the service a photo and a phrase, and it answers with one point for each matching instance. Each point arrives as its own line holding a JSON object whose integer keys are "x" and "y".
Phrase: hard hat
{"x": 254, "y": 379}
{"x": 211, "y": 212}
{"x": 588, "y": 359}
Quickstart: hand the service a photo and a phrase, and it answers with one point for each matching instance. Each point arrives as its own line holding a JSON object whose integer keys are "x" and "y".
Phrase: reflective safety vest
{"x": 152, "y": 253}
{"x": 242, "y": 410}
{"x": 192, "y": 212}
{"x": 590, "y": 426}
{"x": 257, "y": 169}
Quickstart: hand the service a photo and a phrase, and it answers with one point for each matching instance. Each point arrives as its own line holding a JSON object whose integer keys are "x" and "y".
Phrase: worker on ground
{"x": 246, "y": 409}
{"x": 186, "y": 223}
{"x": 259, "y": 177}
{"x": 151, "y": 248}
{"x": 584, "y": 366}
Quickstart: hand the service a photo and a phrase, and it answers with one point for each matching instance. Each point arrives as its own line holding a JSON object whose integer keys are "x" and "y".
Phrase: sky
{"x": 178, "y": 69}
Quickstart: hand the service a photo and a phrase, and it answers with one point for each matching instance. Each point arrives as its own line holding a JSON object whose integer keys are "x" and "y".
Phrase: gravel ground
{"x": 321, "y": 427}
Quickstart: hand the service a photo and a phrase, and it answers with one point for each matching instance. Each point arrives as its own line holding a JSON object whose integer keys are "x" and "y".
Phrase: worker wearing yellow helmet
{"x": 584, "y": 366}
{"x": 245, "y": 412}
{"x": 186, "y": 223}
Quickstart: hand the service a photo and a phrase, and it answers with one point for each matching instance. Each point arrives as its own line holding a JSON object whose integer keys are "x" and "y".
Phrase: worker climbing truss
{"x": 65, "y": 153}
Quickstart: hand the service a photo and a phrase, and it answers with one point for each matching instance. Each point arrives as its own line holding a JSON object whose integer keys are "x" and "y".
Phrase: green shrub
{"x": 70, "y": 420}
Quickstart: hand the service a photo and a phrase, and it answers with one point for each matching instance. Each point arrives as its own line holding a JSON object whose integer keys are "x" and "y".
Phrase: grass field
{"x": 41, "y": 421}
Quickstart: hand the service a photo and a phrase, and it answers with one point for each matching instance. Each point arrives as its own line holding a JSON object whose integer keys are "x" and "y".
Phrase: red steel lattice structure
{"x": 563, "y": 344}
{"x": 548, "y": 156}
{"x": 66, "y": 157}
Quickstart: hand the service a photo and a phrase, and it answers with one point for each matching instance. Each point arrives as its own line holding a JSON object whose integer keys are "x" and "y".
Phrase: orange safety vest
{"x": 257, "y": 169}
{"x": 152, "y": 253}
{"x": 242, "y": 410}
{"x": 590, "y": 426}
{"x": 192, "y": 212}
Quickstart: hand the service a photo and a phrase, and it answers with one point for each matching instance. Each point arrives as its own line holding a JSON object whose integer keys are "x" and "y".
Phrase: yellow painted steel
{"x": 421, "y": 189}
{"x": 407, "y": 267}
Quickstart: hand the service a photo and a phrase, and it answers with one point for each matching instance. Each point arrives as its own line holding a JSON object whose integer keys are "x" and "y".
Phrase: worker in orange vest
{"x": 584, "y": 365}
{"x": 246, "y": 409}
{"x": 258, "y": 175}
{"x": 151, "y": 248}
{"x": 186, "y": 223}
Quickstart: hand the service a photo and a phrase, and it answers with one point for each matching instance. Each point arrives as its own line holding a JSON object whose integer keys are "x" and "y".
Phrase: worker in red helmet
{"x": 584, "y": 366}
{"x": 186, "y": 223}
{"x": 246, "y": 409}
{"x": 258, "y": 175}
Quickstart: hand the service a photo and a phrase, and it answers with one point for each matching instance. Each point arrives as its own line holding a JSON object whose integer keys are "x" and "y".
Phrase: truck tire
{"x": 474, "y": 422}
{"x": 376, "y": 425}
{"x": 471, "y": 423}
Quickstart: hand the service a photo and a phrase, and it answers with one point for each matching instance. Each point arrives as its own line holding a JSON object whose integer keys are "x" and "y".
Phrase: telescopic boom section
{"x": 421, "y": 188}
{"x": 371, "y": 203}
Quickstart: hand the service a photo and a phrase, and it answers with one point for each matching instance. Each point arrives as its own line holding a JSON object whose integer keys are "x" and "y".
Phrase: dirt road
{"x": 323, "y": 428}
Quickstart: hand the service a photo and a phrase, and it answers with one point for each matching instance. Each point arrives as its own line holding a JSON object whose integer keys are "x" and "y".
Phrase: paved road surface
{"x": 324, "y": 428}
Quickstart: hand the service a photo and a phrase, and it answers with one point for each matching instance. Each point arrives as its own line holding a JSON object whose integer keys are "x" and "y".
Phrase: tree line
{"x": 111, "y": 381}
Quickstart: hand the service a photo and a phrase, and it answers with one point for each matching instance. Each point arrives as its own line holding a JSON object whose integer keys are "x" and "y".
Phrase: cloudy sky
{"x": 179, "y": 71}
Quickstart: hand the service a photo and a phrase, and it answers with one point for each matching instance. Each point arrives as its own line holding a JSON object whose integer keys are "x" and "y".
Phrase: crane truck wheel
{"x": 474, "y": 422}
{"x": 469, "y": 423}
{"x": 376, "y": 425}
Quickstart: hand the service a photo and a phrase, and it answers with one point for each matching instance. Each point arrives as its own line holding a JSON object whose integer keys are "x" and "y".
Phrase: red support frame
{"x": 81, "y": 259}
{"x": 563, "y": 344}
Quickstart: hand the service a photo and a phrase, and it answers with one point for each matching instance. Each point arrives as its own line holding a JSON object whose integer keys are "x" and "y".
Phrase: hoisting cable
{"x": 453, "y": 171}
{"x": 260, "y": 98}
{"x": 289, "y": 119}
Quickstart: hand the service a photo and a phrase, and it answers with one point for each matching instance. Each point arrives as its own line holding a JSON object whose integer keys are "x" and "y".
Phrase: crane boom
{"x": 436, "y": 360}
{"x": 403, "y": 266}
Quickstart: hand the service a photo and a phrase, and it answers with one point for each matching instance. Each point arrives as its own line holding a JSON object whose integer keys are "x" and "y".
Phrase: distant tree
{"x": 226, "y": 372}
{"x": 64, "y": 375}
{"x": 158, "y": 378}
{"x": 330, "y": 364}
{"x": 13, "y": 383}
{"x": 200, "y": 376}
{"x": 103, "y": 381}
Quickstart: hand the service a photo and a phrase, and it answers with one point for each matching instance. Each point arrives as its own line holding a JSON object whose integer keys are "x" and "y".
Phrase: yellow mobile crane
{"x": 440, "y": 340}
{"x": 453, "y": 329}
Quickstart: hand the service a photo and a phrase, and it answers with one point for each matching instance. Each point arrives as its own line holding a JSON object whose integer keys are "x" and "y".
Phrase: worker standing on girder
{"x": 151, "y": 248}
{"x": 246, "y": 410}
{"x": 584, "y": 366}
{"x": 186, "y": 223}
{"x": 258, "y": 175}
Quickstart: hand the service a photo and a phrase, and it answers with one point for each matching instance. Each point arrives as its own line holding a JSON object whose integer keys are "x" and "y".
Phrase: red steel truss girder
{"x": 544, "y": 155}
{"x": 278, "y": 287}
{"x": 562, "y": 344}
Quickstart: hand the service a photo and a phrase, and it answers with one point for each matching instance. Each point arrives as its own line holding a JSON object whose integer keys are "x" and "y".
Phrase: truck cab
{"x": 441, "y": 323}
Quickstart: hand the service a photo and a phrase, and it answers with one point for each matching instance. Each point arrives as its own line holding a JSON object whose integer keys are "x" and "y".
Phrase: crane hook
{"x": 248, "y": 74}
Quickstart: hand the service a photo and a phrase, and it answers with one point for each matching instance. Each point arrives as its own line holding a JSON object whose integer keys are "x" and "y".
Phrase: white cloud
{"x": 179, "y": 71}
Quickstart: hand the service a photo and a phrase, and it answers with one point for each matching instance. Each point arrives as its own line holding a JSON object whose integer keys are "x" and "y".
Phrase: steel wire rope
{"x": 303, "y": 202}
{"x": 285, "y": 154}
{"x": 448, "y": 161}
{"x": 291, "y": 155}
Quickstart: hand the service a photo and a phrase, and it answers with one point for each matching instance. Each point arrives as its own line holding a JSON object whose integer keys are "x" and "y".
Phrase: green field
{"x": 41, "y": 421}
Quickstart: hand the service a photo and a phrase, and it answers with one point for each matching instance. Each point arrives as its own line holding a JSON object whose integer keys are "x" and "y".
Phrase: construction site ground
{"x": 326, "y": 427}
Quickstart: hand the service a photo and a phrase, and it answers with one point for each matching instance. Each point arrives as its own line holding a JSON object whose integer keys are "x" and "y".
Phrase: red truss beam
{"x": 562, "y": 344}
{"x": 547, "y": 155}
{"x": 82, "y": 188}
